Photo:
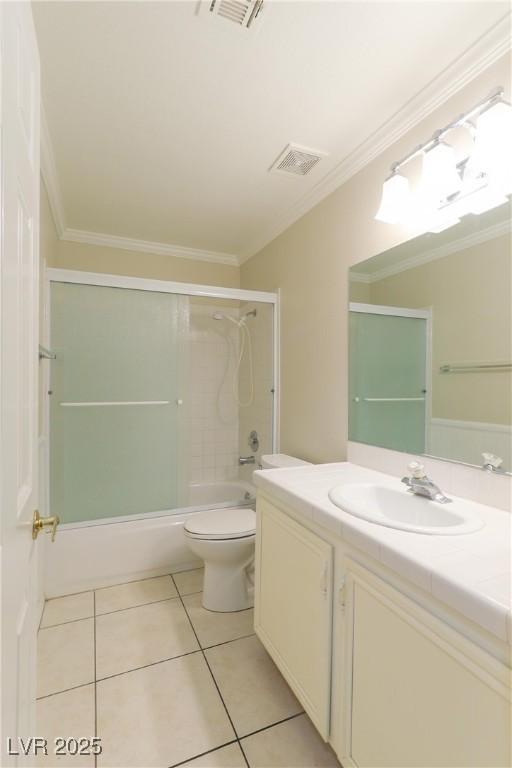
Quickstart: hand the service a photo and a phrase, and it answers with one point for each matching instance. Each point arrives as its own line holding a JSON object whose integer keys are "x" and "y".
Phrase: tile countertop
{"x": 469, "y": 572}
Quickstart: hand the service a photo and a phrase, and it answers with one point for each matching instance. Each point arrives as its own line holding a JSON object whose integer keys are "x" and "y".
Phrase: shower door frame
{"x": 422, "y": 314}
{"x": 56, "y": 275}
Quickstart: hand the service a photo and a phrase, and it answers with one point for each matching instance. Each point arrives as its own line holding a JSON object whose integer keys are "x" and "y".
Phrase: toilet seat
{"x": 222, "y": 524}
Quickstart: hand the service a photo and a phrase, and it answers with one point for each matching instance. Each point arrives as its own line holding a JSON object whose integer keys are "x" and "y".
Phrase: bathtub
{"x": 201, "y": 494}
{"x": 91, "y": 555}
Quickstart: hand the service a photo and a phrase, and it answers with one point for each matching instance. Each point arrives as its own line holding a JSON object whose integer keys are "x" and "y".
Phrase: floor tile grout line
{"x": 135, "y": 581}
{"x": 202, "y": 754}
{"x": 213, "y": 678}
{"x": 119, "y": 584}
{"x": 139, "y": 605}
{"x": 221, "y": 697}
{"x": 201, "y": 650}
{"x": 242, "y": 750}
{"x": 65, "y": 623}
{"x": 116, "y": 610}
{"x": 172, "y": 658}
{"x": 272, "y": 725}
{"x": 151, "y": 664}
{"x": 65, "y": 690}
{"x": 145, "y": 666}
{"x": 69, "y": 621}
{"x": 238, "y": 740}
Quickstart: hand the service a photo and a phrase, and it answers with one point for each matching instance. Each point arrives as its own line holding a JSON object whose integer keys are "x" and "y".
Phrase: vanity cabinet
{"x": 416, "y": 692}
{"x": 293, "y": 607}
{"x": 388, "y": 676}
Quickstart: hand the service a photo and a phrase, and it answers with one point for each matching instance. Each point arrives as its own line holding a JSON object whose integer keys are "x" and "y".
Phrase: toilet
{"x": 281, "y": 461}
{"x": 224, "y": 539}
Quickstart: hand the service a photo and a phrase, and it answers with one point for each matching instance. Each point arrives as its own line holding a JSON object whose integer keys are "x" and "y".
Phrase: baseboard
{"x": 86, "y": 585}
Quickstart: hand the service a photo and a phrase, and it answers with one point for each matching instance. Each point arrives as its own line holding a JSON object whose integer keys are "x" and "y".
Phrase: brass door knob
{"x": 38, "y": 523}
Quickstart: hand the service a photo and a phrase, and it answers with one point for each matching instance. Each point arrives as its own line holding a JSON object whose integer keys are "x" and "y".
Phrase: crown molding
{"x": 490, "y": 47}
{"x": 475, "y": 238}
{"x": 49, "y": 175}
{"x": 147, "y": 246}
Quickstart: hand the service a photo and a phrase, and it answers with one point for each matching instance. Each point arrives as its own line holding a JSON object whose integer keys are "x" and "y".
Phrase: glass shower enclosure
{"x": 388, "y": 369}
{"x": 145, "y": 394}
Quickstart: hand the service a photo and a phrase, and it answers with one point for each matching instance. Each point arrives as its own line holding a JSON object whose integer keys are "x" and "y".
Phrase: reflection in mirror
{"x": 430, "y": 368}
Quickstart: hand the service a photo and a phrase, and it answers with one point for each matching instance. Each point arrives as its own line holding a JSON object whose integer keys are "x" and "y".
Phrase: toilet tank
{"x": 281, "y": 460}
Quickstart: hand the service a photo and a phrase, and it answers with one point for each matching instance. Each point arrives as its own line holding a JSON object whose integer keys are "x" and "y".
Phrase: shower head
{"x": 222, "y": 316}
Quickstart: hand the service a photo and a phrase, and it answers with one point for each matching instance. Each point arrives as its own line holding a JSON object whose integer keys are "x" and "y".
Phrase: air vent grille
{"x": 242, "y": 12}
{"x": 296, "y": 160}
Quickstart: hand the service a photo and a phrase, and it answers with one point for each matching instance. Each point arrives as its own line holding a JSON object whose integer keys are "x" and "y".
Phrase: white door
{"x": 19, "y": 257}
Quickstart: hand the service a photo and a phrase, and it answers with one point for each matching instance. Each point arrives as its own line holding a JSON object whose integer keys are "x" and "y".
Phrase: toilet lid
{"x": 223, "y": 523}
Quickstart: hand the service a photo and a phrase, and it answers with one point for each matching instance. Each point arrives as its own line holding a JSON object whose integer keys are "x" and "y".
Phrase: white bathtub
{"x": 100, "y": 553}
{"x": 201, "y": 494}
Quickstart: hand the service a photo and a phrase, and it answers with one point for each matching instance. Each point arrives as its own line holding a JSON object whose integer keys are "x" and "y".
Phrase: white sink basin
{"x": 395, "y": 508}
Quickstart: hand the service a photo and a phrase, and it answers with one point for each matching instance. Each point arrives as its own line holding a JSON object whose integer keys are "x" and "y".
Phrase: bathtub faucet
{"x": 246, "y": 460}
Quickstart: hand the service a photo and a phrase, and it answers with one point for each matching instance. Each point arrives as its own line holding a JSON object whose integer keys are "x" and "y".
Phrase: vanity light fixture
{"x": 395, "y": 199}
{"x": 492, "y": 151}
{"x": 440, "y": 178}
{"x": 448, "y": 189}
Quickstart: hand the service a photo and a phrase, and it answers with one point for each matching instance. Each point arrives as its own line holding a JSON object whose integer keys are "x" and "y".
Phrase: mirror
{"x": 430, "y": 347}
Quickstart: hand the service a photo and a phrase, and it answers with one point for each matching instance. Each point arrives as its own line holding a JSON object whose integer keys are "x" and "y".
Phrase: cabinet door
{"x": 293, "y": 607}
{"x": 420, "y": 695}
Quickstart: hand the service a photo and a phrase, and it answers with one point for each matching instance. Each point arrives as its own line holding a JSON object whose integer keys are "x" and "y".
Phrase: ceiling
{"x": 163, "y": 119}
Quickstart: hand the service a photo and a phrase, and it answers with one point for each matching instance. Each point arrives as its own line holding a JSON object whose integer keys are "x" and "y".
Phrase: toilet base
{"x": 226, "y": 589}
{"x": 227, "y": 584}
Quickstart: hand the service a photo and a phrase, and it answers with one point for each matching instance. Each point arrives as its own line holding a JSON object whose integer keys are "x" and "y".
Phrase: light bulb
{"x": 395, "y": 200}
{"x": 440, "y": 178}
{"x": 492, "y": 153}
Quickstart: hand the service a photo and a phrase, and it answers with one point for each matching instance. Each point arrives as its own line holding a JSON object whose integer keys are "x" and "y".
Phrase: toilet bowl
{"x": 224, "y": 539}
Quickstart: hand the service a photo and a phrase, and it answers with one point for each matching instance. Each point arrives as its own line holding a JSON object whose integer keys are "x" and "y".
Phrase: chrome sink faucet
{"x": 421, "y": 485}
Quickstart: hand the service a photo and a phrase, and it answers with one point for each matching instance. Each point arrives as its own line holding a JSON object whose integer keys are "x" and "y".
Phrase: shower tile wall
{"x": 211, "y": 412}
{"x": 258, "y": 415}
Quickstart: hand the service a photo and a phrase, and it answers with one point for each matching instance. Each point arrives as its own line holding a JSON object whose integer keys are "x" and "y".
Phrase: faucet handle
{"x": 492, "y": 461}
{"x": 416, "y": 469}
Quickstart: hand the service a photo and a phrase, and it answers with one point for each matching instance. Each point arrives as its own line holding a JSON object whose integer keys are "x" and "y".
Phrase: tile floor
{"x": 165, "y": 683}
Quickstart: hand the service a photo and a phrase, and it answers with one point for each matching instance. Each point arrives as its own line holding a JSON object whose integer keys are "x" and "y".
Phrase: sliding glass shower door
{"x": 387, "y": 380}
{"x": 115, "y": 415}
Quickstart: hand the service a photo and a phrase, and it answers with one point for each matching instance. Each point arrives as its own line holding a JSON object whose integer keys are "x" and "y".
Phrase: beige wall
{"x": 469, "y": 295}
{"x": 96, "y": 258}
{"x": 309, "y": 263}
{"x": 48, "y": 234}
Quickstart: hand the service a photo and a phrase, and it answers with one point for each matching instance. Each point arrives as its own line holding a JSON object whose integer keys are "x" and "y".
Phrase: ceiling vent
{"x": 242, "y": 12}
{"x": 297, "y": 160}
